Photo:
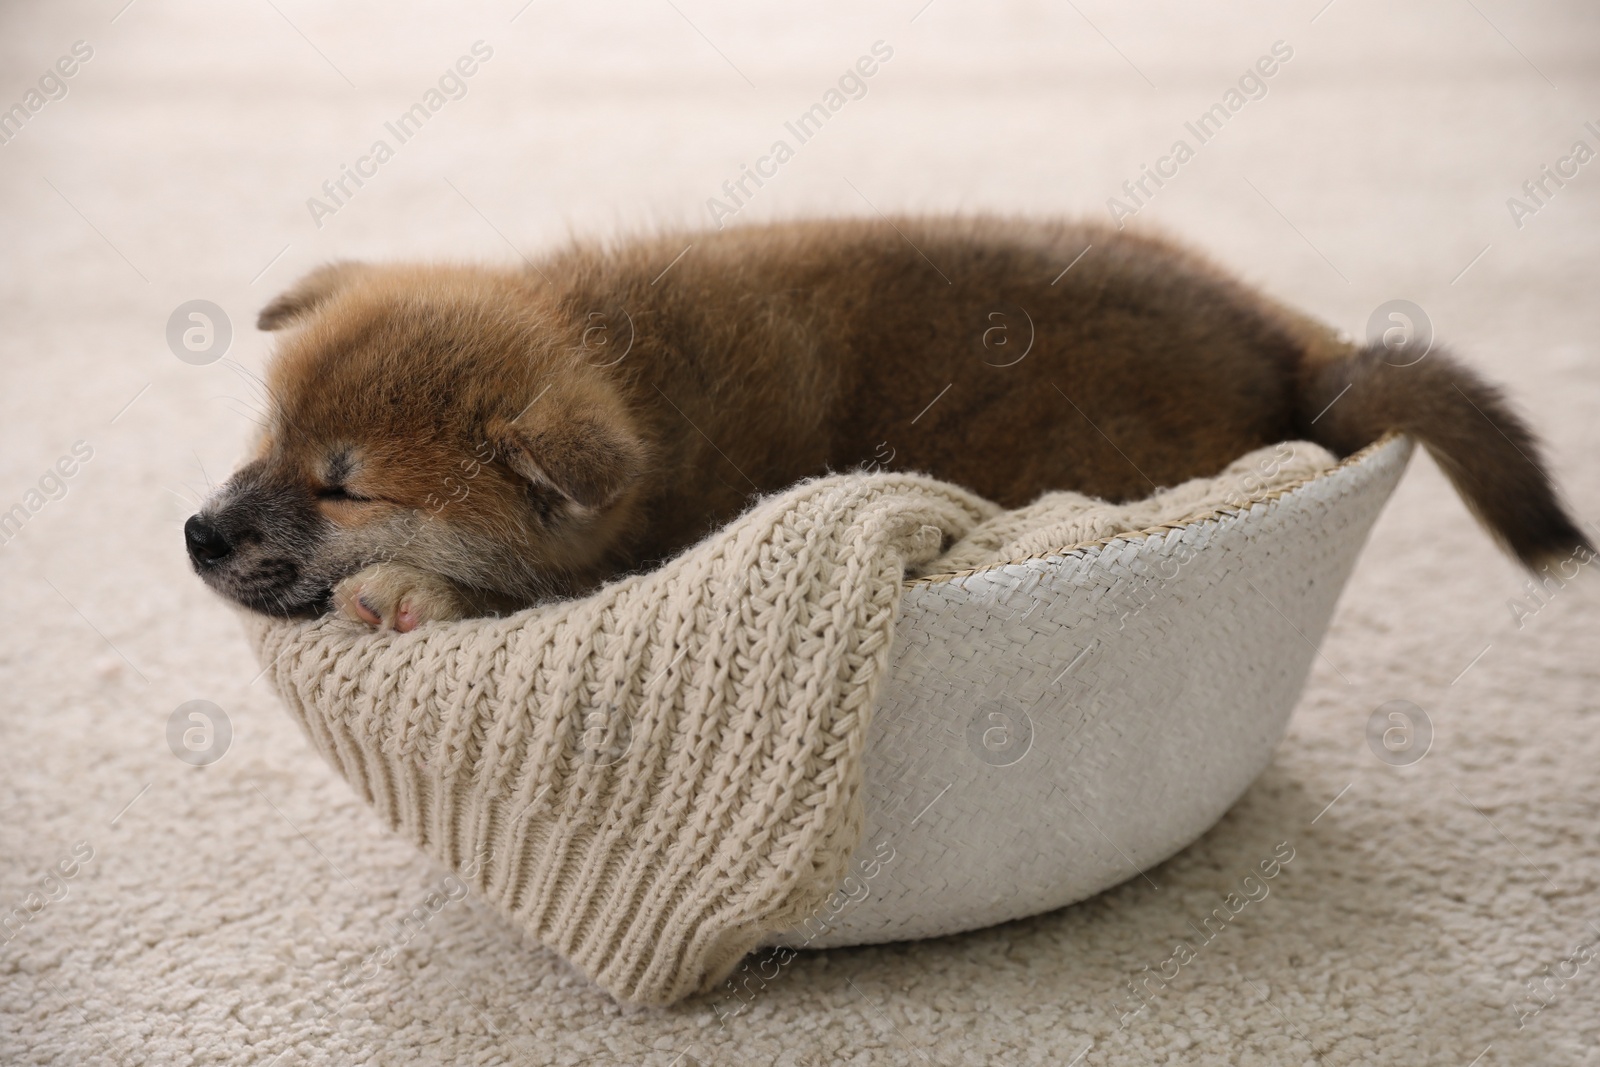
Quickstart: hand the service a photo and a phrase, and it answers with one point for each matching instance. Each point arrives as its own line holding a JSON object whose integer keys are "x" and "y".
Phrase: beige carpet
{"x": 251, "y": 911}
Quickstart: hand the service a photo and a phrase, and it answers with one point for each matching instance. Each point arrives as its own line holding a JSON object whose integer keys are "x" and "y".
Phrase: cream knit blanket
{"x": 652, "y": 778}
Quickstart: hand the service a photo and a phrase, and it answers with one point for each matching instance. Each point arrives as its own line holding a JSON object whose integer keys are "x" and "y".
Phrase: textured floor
{"x": 246, "y": 911}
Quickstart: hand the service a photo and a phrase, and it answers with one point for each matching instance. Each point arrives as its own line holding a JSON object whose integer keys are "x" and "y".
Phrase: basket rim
{"x": 1206, "y": 515}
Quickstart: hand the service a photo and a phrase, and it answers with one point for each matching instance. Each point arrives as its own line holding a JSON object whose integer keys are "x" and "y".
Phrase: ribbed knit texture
{"x": 651, "y": 779}
{"x": 1063, "y": 518}
{"x": 654, "y": 776}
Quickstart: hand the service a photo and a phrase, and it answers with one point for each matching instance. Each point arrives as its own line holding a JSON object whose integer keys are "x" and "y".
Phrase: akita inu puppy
{"x": 447, "y": 440}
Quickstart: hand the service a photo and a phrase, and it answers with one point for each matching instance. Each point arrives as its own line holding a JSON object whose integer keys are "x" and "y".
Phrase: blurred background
{"x": 227, "y": 898}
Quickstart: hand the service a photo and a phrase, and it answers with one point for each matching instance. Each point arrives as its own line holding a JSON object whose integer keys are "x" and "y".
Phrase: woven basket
{"x": 1054, "y": 726}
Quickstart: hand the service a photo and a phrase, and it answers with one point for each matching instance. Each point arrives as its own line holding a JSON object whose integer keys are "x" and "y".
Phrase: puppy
{"x": 447, "y": 441}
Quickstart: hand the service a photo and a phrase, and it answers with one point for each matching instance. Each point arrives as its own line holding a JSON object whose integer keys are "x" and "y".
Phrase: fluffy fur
{"x": 448, "y": 440}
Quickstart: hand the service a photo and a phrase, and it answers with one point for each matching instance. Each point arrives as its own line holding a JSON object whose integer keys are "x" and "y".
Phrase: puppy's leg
{"x": 398, "y": 597}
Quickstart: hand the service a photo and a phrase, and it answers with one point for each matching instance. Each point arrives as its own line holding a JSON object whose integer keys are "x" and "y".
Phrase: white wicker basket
{"x": 1054, "y": 726}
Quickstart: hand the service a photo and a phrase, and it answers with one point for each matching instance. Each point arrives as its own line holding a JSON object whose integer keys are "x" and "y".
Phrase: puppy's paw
{"x": 396, "y": 597}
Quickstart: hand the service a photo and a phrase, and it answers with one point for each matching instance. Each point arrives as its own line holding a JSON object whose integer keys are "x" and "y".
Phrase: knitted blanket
{"x": 650, "y": 779}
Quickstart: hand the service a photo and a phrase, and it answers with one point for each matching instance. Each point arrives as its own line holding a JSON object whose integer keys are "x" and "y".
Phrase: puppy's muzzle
{"x": 260, "y": 543}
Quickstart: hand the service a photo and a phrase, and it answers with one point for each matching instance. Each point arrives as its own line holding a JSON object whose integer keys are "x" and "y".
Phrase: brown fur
{"x": 524, "y": 433}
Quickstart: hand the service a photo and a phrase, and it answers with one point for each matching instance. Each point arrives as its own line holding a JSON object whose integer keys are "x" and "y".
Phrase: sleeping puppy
{"x": 448, "y": 441}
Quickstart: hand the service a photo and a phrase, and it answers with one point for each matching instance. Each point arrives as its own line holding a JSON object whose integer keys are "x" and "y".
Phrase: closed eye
{"x": 339, "y": 492}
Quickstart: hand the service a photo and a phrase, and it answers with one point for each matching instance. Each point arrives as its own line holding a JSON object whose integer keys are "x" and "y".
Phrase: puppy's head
{"x": 435, "y": 417}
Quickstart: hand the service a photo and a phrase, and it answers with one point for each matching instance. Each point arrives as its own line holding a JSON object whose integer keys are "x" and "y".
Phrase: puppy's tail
{"x": 1486, "y": 450}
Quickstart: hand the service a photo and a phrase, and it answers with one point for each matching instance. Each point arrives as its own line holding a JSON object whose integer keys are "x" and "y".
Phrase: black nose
{"x": 205, "y": 541}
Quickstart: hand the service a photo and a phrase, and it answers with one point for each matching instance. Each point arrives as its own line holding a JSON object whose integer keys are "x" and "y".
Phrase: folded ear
{"x": 307, "y": 294}
{"x": 590, "y": 455}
